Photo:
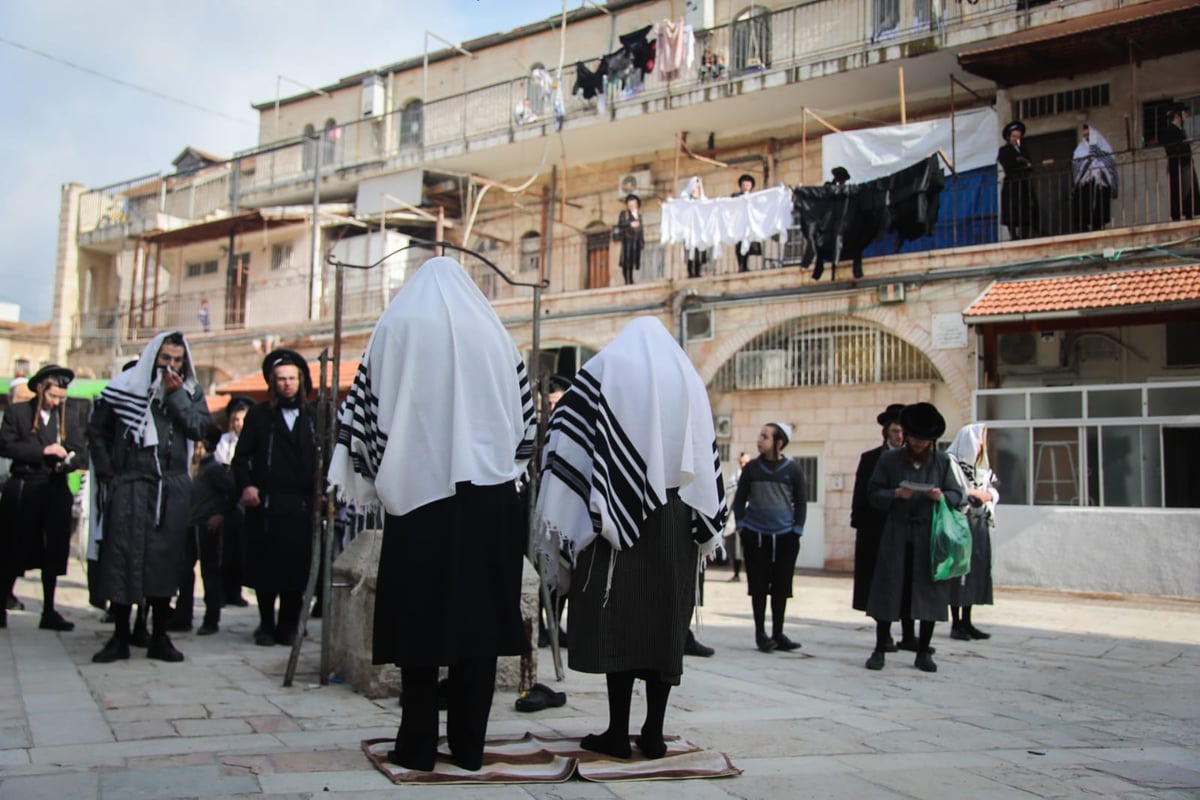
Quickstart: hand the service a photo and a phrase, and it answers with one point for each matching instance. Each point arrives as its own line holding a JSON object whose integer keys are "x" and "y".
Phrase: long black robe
{"x": 868, "y": 523}
{"x": 281, "y": 463}
{"x": 1180, "y": 175}
{"x": 909, "y": 523}
{"x": 147, "y": 497}
{"x": 1018, "y": 200}
{"x": 35, "y": 507}
{"x": 633, "y": 240}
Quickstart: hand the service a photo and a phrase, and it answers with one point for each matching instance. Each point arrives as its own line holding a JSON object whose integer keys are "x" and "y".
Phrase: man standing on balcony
{"x": 1180, "y": 175}
{"x": 274, "y": 466}
{"x": 1018, "y": 200}
{"x": 746, "y": 186}
{"x": 629, "y": 233}
{"x": 141, "y": 438}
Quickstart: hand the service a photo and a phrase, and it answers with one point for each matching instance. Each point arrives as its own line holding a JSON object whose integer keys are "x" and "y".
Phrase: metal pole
{"x": 954, "y": 158}
{"x": 330, "y": 414}
{"x": 316, "y": 227}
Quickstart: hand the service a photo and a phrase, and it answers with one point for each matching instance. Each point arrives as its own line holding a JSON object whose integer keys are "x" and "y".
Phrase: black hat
{"x": 632, "y": 196}
{"x": 237, "y": 402}
{"x": 841, "y": 174}
{"x": 1015, "y": 125}
{"x": 922, "y": 421}
{"x": 285, "y": 356}
{"x": 1175, "y": 107}
{"x": 748, "y": 177}
{"x": 49, "y": 371}
{"x": 890, "y": 415}
{"x": 558, "y": 383}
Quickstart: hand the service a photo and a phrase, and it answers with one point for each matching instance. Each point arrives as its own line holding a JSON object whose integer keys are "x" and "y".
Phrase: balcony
{"x": 763, "y": 51}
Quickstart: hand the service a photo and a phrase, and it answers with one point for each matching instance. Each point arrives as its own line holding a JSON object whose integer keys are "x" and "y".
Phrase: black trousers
{"x": 470, "y": 689}
{"x": 206, "y": 546}
{"x": 233, "y": 554}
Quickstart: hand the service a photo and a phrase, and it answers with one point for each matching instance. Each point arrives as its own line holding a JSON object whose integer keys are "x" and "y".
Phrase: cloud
{"x": 64, "y": 125}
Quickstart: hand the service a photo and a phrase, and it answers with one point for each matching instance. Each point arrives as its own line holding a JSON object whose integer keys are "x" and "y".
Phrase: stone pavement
{"x": 1072, "y": 697}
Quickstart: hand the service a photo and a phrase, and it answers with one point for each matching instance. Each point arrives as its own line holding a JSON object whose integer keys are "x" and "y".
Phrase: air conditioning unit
{"x": 723, "y": 425}
{"x": 1030, "y": 349}
{"x": 762, "y": 369}
{"x": 639, "y": 183}
{"x": 699, "y": 14}
{"x": 373, "y": 97}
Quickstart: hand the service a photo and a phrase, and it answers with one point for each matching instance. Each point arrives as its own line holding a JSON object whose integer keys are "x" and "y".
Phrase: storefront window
{"x": 1132, "y": 465}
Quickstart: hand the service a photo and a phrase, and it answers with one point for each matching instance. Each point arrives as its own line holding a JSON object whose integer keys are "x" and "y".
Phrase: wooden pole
{"x": 903, "y": 107}
{"x": 803, "y": 145}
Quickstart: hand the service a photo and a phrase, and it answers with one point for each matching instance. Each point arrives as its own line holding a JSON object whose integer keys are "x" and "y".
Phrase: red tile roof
{"x": 1115, "y": 290}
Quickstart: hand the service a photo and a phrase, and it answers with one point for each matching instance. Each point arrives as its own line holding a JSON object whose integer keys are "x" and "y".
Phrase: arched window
{"x": 531, "y": 252}
{"x": 308, "y": 151}
{"x": 412, "y": 125}
{"x": 752, "y": 40}
{"x": 329, "y": 140}
{"x": 805, "y": 352}
{"x": 538, "y": 89}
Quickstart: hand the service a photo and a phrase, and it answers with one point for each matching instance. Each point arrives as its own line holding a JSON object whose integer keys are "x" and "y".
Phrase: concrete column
{"x": 66, "y": 274}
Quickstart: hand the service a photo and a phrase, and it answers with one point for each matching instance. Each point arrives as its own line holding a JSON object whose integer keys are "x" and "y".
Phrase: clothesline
{"x": 723, "y": 221}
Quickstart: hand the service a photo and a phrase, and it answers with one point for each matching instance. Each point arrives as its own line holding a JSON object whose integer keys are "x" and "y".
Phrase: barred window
{"x": 800, "y": 353}
{"x": 1064, "y": 102}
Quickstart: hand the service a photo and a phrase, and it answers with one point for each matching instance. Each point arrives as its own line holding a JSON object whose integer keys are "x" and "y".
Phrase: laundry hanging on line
{"x": 724, "y": 221}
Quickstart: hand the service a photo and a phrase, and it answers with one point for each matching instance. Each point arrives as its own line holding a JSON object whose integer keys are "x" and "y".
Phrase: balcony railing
{"x": 136, "y": 205}
{"x": 766, "y": 42}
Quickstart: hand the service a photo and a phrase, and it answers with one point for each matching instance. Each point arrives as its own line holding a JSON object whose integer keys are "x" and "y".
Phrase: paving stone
{"x": 148, "y": 713}
{"x": 60, "y": 786}
{"x": 272, "y": 724}
{"x": 58, "y": 701}
{"x": 14, "y": 736}
{"x": 145, "y": 729}
{"x": 174, "y": 782}
{"x": 1152, "y": 774}
{"x": 320, "y": 782}
{"x": 321, "y": 761}
{"x": 182, "y": 760}
{"x": 246, "y": 765}
{"x": 212, "y": 727}
{"x": 68, "y": 727}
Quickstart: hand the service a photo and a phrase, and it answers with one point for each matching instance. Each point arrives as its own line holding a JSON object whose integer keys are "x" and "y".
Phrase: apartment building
{"x": 1077, "y": 345}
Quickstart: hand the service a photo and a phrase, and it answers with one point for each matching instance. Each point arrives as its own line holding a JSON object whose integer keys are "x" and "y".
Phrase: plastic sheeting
{"x": 968, "y": 213}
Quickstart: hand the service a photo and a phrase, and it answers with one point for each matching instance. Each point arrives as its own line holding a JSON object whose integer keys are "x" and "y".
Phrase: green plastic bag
{"x": 949, "y": 543}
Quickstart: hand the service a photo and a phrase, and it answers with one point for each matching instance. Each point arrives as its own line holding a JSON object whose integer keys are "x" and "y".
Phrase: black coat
{"x": 632, "y": 239}
{"x": 1018, "y": 200}
{"x": 1180, "y": 175}
{"x": 146, "y": 498}
{"x": 35, "y": 507}
{"x": 281, "y": 463}
{"x": 868, "y": 523}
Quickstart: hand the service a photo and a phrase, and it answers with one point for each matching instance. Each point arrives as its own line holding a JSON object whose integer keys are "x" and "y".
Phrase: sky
{"x": 67, "y": 125}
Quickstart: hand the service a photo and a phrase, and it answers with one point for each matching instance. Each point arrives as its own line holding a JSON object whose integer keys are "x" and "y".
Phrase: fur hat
{"x": 1015, "y": 125}
{"x": 747, "y": 177}
{"x": 841, "y": 175}
{"x": 922, "y": 421}
{"x": 238, "y": 402}
{"x": 890, "y": 414}
{"x": 284, "y": 356}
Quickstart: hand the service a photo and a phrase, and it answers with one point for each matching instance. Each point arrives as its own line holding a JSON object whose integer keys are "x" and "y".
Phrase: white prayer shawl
{"x": 130, "y": 395}
{"x": 967, "y": 450}
{"x": 441, "y": 396}
{"x": 635, "y": 423}
{"x": 723, "y": 221}
{"x": 1093, "y": 162}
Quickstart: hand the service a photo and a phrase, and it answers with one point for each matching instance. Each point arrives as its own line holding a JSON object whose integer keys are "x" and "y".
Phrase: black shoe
{"x": 924, "y": 662}
{"x": 238, "y": 601}
{"x": 735, "y": 578}
{"x": 890, "y": 647}
{"x": 975, "y": 633}
{"x": 113, "y": 650}
{"x": 208, "y": 629}
{"x": 765, "y": 643}
{"x": 876, "y": 661}
{"x": 785, "y": 644}
{"x": 179, "y": 625}
{"x": 264, "y": 637}
{"x": 543, "y": 638}
{"x": 912, "y": 645}
{"x": 53, "y": 621}
{"x": 960, "y": 632}
{"x": 140, "y": 637}
{"x": 161, "y": 649}
{"x": 693, "y": 647}
{"x": 14, "y": 603}
{"x": 285, "y": 638}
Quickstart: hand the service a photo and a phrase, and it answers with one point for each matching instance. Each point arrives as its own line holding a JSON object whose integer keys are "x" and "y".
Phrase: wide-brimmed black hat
{"x": 50, "y": 370}
{"x": 890, "y": 414}
{"x": 922, "y": 421}
{"x": 285, "y": 356}
{"x": 237, "y": 402}
{"x": 1015, "y": 125}
{"x": 1173, "y": 108}
{"x": 841, "y": 174}
{"x": 748, "y": 177}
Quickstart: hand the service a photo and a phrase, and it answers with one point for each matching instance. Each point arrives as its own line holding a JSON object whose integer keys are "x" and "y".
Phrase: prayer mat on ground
{"x": 539, "y": 759}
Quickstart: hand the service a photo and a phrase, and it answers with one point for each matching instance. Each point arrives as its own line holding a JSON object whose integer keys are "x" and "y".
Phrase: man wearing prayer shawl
{"x": 631, "y": 491}
{"x": 140, "y": 439}
{"x": 436, "y": 429}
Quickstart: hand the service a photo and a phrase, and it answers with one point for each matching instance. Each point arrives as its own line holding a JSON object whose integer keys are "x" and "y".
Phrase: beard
{"x": 919, "y": 458}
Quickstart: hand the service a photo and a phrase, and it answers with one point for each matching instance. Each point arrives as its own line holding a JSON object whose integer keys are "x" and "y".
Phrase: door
{"x": 236, "y": 283}
{"x": 597, "y": 259}
{"x": 812, "y": 544}
{"x": 1052, "y": 181}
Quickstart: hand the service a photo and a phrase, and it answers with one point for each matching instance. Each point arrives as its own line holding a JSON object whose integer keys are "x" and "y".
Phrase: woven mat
{"x": 535, "y": 759}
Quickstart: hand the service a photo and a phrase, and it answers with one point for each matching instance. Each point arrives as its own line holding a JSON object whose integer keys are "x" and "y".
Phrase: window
{"x": 1183, "y": 344}
{"x": 198, "y": 268}
{"x": 810, "y": 468}
{"x": 1061, "y": 102}
{"x": 412, "y": 125}
{"x": 329, "y": 139}
{"x": 698, "y": 324}
{"x": 531, "y": 252}
{"x": 21, "y": 367}
{"x": 1154, "y": 118}
{"x": 281, "y": 256}
{"x": 752, "y": 40}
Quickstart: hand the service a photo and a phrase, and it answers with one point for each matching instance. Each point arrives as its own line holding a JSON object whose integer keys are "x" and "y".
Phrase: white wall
{"x": 1114, "y": 550}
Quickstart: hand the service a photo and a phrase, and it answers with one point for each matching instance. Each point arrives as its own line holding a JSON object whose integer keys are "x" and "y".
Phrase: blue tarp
{"x": 968, "y": 213}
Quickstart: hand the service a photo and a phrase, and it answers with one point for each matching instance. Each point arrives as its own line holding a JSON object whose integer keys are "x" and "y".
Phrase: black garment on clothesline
{"x": 839, "y": 222}
{"x": 589, "y": 83}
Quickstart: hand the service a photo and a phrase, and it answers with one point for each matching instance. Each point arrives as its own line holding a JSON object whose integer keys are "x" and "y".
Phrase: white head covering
{"x": 967, "y": 449}
{"x": 1093, "y": 161}
{"x": 130, "y": 392}
{"x": 692, "y": 183}
{"x": 635, "y": 423}
{"x": 440, "y": 397}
